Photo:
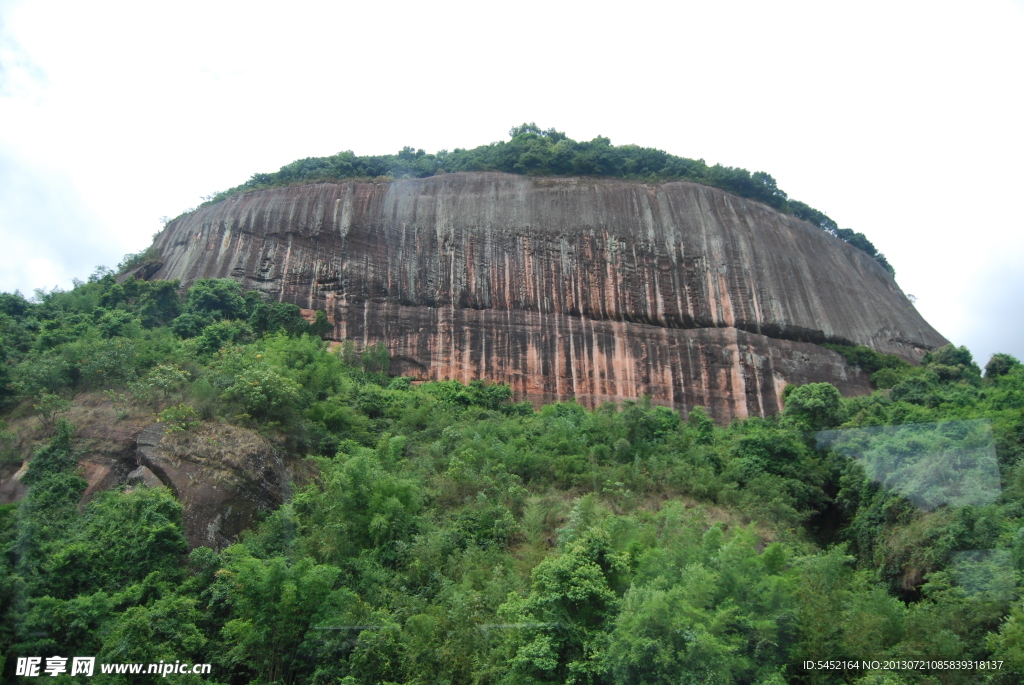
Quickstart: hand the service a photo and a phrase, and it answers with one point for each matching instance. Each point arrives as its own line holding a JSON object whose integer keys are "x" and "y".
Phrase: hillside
{"x": 443, "y": 533}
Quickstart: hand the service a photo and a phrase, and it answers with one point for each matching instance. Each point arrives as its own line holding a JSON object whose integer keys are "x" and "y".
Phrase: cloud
{"x": 48, "y": 233}
{"x": 995, "y": 320}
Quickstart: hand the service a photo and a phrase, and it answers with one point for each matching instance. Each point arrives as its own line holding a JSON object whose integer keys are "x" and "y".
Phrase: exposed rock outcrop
{"x": 588, "y": 288}
{"x": 11, "y": 487}
{"x": 223, "y": 476}
{"x": 105, "y": 446}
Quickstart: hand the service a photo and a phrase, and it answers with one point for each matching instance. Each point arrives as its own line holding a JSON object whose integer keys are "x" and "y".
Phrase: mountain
{"x": 598, "y": 289}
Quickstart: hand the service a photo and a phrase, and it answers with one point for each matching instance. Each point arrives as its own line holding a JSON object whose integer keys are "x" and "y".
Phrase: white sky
{"x": 902, "y": 120}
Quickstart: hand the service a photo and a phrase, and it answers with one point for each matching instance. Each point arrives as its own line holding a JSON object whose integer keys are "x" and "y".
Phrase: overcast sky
{"x": 900, "y": 120}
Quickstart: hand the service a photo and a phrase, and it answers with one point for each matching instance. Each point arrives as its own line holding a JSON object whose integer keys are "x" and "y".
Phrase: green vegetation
{"x": 137, "y": 259}
{"x": 537, "y": 152}
{"x": 451, "y": 535}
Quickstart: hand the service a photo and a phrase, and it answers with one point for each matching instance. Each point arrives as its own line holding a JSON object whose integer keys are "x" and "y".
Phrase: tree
{"x": 278, "y": 316}
{"x": 363, "y": 506}
{"x": 1000, "y": 365}
{"x": 165, "y": 631}
{"x": 814, "y": 406}
{"x": 667, "y": 635}
{"x": 122, "y": 538}
{"x": 274, "y": 603}
{"x": 264, "y": 393}
{"x": 536, "y": 151}
{"x": 321, "y": 327}
{"x": 950, "y": 355}
{"x": 563, "y": 622}
{"x": 48, "y": 406}
{"x": 160, "y": 303}
{"x": 209, "y": 300}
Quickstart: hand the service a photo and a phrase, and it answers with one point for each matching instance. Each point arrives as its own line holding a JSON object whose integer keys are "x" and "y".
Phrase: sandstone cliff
{"x": 569, "y": 287}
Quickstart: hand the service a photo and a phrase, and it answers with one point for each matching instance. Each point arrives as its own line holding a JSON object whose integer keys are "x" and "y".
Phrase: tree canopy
{"x": 449, "y": 534}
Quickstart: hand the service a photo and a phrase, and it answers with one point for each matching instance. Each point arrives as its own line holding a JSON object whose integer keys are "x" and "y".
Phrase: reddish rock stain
{"x": 602, "y": 290}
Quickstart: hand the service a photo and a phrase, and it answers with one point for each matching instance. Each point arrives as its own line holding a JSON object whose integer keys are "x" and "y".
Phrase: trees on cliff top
{"x": 536, "y": 152}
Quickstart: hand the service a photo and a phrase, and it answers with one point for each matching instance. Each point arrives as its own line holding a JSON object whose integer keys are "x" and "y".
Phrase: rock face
{"x": 570, "y": 287}
{"x": 223, "y": 476}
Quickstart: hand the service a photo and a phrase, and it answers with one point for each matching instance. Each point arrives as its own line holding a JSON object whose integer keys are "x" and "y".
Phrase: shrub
{"x": 264, "y": 393}
{"x": 167, "y": 378}
{"x": 119, "y": 402}
{"x": 219, "y": 298}
{"x": 48, "y": 406}
{"x": 537, "y": 152}
{"x": 866, "y": 358}
{"x": 103, "y": 361}
{"x": 179, "y": 418}
{"x": 913, "y": 390}
{"x": 223, "y": 333}
{"x": 136, "y": 259}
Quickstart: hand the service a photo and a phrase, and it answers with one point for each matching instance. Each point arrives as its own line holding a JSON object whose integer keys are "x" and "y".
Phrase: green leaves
{"x": 277, "y": 606}
{"x": 216, "y": 298}
{"x": 164, "y": 630}
{"x": 449, "y": 536}
{"x": 179, "y": 418}
{"x": 360, "y": 506}
{"x": 218, "y": 314}
{"x": 814, "y": 406}
{"x": 665, "y": 636}
{"x": 561, "y": 627}
{"x": 1000, "y": 365}
{"x": 264, "y": 393}
{"x": 123, "y": 538}
{"x": 704, "y": 608}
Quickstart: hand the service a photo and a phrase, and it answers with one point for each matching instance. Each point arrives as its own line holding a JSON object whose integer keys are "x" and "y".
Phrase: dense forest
{"x": 448, "y": 534}
{"x": 536, "y": 152}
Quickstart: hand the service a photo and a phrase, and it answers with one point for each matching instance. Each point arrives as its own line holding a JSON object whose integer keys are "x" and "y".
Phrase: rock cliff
{"x": 563, "y": 287}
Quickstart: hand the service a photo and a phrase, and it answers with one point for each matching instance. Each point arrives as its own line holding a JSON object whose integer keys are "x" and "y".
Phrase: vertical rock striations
{"x": 563, "y": 287}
